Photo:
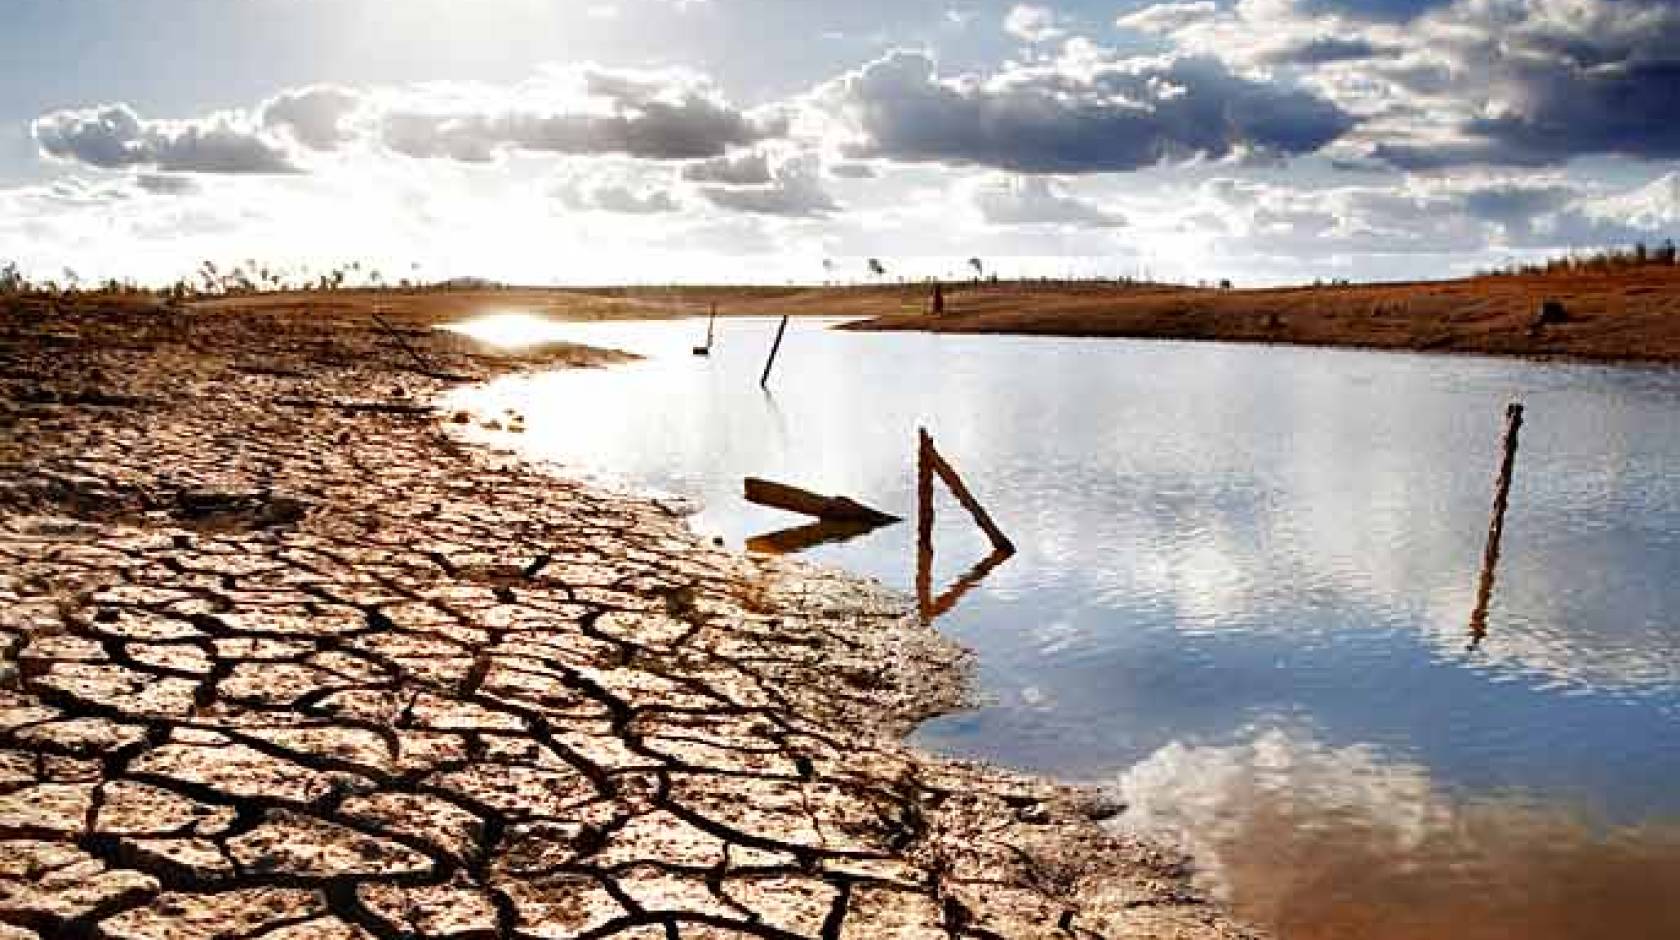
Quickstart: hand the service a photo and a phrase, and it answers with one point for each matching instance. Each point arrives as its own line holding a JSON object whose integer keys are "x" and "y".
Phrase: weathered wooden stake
{"x": 928, "y": 464}
{"x": 924, "y": 529}
{"x": 764, "y": 380}
{"x": 1496, "y": 526}
{"x": 930, "y": 455}
{"x": 711, "y": 321}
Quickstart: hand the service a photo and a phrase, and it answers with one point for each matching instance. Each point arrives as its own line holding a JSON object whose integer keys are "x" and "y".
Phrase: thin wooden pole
{"x": 1496, "y": 526}
{"x": 764, "y": 380}
{"x": 711, "y": 322}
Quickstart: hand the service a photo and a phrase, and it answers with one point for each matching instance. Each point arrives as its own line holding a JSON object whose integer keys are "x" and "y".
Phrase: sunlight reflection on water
{"x": 1243, "y": 589}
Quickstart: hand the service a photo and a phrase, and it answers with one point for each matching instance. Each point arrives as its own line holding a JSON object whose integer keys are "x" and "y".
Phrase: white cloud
{"x": 1037, "y": 200}
{"x": 1032, "y": 23}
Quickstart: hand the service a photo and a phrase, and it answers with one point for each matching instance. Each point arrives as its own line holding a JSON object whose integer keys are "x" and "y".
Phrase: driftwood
{"x": 1496, "y": 527}
{"x": 827, "y": 508}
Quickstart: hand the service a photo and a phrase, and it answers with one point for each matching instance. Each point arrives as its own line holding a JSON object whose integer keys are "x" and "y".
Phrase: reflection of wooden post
{"x": 764, "y": 380}
{"x": 710, "y": 323}
{"x": 1496, "y": 527}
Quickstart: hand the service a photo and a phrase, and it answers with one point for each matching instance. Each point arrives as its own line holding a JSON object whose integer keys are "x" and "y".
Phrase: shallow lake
{"x": 1243, "y": 592}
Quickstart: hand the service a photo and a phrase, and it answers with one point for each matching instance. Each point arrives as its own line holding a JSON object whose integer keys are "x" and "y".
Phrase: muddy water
{"x": 1243, "y": 592}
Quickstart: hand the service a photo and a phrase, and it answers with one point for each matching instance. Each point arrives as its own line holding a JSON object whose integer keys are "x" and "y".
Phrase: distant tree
{"x": 978, "y": 266}
{"x": 876, "y": 268}
{"x": 11, "y": 279}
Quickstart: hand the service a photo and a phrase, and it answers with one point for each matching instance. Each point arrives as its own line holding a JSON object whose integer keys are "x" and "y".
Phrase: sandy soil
{"x": 1624, "y": 315}
{"x": 1631, "y": 315}
{"x": 282, "y": 657}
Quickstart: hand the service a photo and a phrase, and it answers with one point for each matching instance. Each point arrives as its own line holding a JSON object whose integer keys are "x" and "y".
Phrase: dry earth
{"x": 283, "y": 659}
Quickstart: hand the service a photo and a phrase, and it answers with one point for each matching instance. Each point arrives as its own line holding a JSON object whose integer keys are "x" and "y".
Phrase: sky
{"x": 665, "y": 141}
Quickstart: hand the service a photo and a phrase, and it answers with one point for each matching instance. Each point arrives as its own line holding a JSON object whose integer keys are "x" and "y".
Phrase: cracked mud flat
{"x": 283, "y": 659}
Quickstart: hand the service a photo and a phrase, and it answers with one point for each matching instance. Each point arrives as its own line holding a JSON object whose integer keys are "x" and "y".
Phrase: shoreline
{"x": 283, "y": 653}
{"x": 1621, "y": 316}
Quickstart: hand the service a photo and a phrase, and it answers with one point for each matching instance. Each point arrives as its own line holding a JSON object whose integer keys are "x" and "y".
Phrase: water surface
{"x": 1243, "y": 592}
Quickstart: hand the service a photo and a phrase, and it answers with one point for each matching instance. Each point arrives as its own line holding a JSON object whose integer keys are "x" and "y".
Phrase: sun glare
{"x": 510, "y": 330}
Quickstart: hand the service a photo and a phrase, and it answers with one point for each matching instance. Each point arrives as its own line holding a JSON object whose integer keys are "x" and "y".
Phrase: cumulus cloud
{"x": 659, "y": 115}
{"x": 795, "y": 189}
{"x": 1031, "y": 23}
{"x": 667, "y": 115}
{"x": 1166, "y": 18}
{"x": 313, "y": 116}
{"x": 852, "y": 171}
{"x": 1084, "y": 112}
{"x": 115, "y": 137}
{"x": 618, "y": 197}
{"x": 745, "y": 169}
{"x": 1037, "y": 200}
{"x": 1445, "y": 83}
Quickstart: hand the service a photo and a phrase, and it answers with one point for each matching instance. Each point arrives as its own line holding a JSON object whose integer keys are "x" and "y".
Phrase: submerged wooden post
{"x": 764, "y": 380}
{"x": 1496, "y": 526}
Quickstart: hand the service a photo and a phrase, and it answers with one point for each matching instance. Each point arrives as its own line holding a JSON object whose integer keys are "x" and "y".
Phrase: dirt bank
{"x": 1625, "y": 315}
{"x": 283, "y": 658}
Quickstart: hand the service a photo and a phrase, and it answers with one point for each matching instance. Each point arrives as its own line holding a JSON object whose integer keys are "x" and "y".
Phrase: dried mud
{"x": 285, "y": 659}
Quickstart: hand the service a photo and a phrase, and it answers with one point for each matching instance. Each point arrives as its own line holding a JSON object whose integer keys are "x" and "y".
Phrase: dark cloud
{"x": 1597, "y": 77}
{"x": 1092, "y": 117}
{"x": 748, "y": 169}
{"x": 114, "y": 137}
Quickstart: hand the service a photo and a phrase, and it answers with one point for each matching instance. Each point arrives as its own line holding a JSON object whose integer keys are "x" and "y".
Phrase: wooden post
{"x": 710, "y": 323}
{"x": 949, "y": 475}
{"x": 924, "y": 526}
{"x": 1496, "y": 526}
{"x": 764, "y": 380}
